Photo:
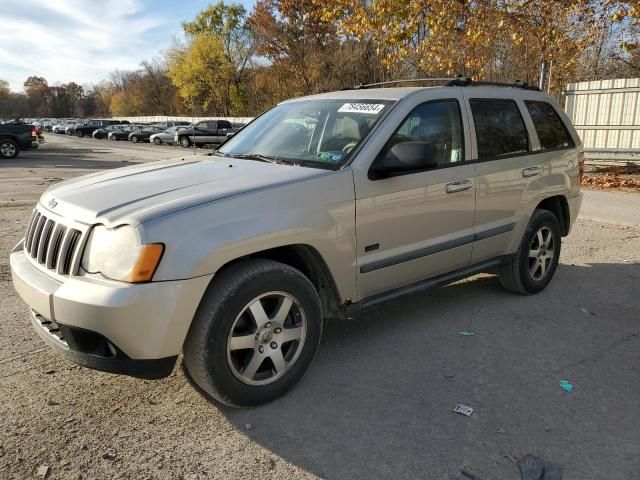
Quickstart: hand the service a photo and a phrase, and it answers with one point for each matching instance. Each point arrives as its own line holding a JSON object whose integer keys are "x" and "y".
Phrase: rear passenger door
{"x": 505, "y": 167}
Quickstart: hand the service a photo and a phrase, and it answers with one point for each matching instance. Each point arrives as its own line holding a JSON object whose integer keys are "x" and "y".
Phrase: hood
{"x": 141, "y": 192}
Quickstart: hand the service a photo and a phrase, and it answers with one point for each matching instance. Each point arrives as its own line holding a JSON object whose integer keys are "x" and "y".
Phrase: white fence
{"x": 160, "y": 118}
{"x": 606, "y": 115}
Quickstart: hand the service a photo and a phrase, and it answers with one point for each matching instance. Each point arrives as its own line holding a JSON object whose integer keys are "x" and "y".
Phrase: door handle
{"x": 459, "y": 186}
{"x": 532, "y": 171}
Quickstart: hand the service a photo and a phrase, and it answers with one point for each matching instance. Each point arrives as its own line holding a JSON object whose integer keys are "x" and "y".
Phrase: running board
{"x": 422, "y": 286}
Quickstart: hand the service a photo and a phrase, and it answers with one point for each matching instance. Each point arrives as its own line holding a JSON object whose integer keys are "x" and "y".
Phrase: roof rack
{"x": 450, "y": 82}
{"x": 393, "y": 82}
{"x": 468, "y": 82}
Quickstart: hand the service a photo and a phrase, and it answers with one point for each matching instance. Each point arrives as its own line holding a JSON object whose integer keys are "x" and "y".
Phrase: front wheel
{"x": 8, "y": 149}
{"x": 184, "y": 142}
{"x": 157, "y": 141}
{"x": 135, "y": 139}
{"x": 79, "y": 134}
{"x": 532, "y": 267}
{"x": 255, "y": 333}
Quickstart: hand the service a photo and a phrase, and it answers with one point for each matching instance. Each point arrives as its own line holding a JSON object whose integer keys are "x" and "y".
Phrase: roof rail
{"x": 393, "y": 82}
{"x": 468, "y": 82}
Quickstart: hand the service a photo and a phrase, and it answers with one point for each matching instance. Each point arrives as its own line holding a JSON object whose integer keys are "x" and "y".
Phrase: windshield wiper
{"x": 256, "y": 156}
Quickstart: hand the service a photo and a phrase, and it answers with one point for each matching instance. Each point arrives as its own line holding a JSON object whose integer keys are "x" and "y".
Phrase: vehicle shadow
{"x": 377, "y": 401}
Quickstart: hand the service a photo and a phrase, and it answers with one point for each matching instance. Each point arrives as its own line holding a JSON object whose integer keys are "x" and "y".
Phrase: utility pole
{"x": 543, "y": 75}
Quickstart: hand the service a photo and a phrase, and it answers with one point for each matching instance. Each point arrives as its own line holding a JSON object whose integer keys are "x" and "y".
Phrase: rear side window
{"x": 500, "y": 130}
{"x": 551, "y": 130}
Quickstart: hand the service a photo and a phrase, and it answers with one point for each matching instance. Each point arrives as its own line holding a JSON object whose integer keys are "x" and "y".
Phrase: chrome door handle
{"x": 532, "y": 171}
{"x": 459, "y": 186}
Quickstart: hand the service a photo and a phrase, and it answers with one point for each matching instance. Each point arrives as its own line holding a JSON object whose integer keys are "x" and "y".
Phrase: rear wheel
{"x": 532, "y": 267}
{"x": 254, "y": 334}
{"x": 8, "y": 149}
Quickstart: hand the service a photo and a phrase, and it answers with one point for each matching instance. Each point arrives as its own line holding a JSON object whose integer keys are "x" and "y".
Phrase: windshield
{"x": 314, "y": 133}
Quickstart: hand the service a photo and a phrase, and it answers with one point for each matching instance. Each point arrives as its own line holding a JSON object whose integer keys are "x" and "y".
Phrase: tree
{"x": 226, "y": 24}
{"x": 200, "y": 72}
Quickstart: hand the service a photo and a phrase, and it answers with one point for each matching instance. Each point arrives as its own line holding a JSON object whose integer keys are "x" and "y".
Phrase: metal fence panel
{"x": 606, "y": 115}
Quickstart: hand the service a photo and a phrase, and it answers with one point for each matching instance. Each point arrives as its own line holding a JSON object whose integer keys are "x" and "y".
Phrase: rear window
{"x": 500, "y": 130}
{"x": 551, "y": 130}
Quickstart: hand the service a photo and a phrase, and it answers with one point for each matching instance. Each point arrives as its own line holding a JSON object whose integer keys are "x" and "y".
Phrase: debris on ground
{"x": 501, "y": 431}
{"x": 463, "y": 409}
{"x": 43, "y": 471}
{"x": 566, "y": 385}
{"x": 535, "y": 468}
{"x": 468, "y": 474}
{"x": 464, "y": 333}
{"x": 587, "y": 312}
{"x": 625, "y": 177}
{"x": 52, "y": 403}
{"x": 248, "y": 426}
{"x": 108, "y": 456}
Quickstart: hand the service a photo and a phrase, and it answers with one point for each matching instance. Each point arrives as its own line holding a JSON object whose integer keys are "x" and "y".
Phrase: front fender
{"x": 318, "y": 212}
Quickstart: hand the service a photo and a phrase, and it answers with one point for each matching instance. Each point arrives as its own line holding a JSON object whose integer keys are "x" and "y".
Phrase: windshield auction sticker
{"x": 373, "y": 108}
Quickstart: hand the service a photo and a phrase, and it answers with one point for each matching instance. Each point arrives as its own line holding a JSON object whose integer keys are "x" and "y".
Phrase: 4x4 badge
{"x": 52, "y": 203}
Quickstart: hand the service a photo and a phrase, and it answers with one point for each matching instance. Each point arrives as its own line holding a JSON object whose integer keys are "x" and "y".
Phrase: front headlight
{"x": 119, "y": 255}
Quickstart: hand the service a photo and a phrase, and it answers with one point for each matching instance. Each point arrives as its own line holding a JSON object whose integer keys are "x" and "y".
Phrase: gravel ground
{"x": 378, "y": 400}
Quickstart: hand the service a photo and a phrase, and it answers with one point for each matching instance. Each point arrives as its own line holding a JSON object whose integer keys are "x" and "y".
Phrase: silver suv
{"x": 321, "y": 207}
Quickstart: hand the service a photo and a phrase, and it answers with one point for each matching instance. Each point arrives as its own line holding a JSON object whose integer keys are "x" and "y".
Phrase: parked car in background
{"x": 17, "y": 136}
{"x": 123, "y": 132}
{"x": 166, "y": 136}
{"x": 171, "y": 123}
{"x": 91, "y": 126}
{"x": 103, "y": 132}
{"x": 61, "y": 128}
{"x": 205, "y": 132}
{"x": 144, "y": 134}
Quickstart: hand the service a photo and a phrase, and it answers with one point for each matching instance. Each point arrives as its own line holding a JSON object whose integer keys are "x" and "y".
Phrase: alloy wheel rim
{"x": 7, "y": 149}
{"x": 541, "y": 253}
{"x": 266, "y": 338}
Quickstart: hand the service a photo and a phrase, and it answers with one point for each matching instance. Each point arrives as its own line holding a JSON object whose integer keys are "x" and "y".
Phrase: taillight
{"x": 581, "y": 165}
{"x": 34, "y": 132}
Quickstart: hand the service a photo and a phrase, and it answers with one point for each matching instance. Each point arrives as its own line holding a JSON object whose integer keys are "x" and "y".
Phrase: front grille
{"x": 52, "y": 244}
{"x": 51, "y": 328}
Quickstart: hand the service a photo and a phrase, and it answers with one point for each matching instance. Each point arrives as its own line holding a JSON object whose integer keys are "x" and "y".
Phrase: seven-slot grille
{"x": 52, "y": 244}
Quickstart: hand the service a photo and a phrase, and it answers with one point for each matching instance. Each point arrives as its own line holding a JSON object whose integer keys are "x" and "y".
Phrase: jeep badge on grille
{"x": 52, "y": 203}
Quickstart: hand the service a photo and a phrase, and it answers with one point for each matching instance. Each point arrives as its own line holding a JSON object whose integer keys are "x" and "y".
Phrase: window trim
{"x": 562, "y": 122}
{"x": 373, "y": 178}
{"x": 506, "y": 155}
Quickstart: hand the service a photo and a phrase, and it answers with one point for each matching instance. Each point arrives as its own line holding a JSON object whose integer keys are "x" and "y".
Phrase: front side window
{"x": 312, "y": 133}
{"x": 500, "y": 130}
{"x": 551, "y": 131}
{"x": 438, "y": 123}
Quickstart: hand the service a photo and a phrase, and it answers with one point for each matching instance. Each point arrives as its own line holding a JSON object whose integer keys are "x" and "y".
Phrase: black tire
{"x": 157, "y": 141}
{"x": 134, "y": 139}
{"x": 80, "y": 134}
{"x": 515, "y": 274}
{"x": 205, "y": 349}
{"x": 185, "y": 142}
{"x": 9, "y": 149}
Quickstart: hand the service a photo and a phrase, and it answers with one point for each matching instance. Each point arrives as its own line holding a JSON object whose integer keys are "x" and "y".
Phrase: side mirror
{"x": 405, "y": 157}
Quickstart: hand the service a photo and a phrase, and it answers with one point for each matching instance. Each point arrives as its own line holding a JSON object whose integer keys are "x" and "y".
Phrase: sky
{"x": 84, "y": 40}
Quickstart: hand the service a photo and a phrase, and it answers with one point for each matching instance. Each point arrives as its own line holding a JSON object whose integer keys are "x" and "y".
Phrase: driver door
{"x": 416, "y": 225}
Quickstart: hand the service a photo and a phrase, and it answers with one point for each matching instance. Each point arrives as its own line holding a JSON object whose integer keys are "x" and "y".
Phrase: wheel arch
{"x": 310, "y": 263}
{"x": 559, "y": 206}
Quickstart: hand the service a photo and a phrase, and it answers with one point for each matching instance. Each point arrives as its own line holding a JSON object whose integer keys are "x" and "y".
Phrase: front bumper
{"x": 133, "y": 329}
